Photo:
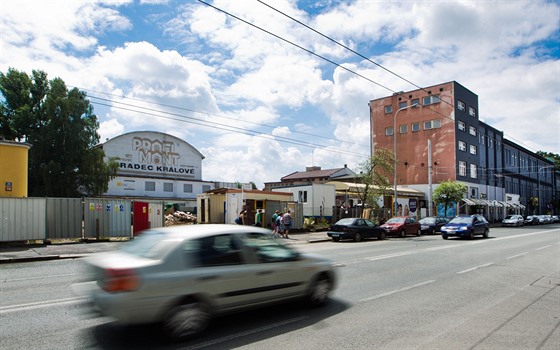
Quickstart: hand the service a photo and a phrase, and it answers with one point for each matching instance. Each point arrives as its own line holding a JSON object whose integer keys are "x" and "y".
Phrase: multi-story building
{"x": 437, "y": 135}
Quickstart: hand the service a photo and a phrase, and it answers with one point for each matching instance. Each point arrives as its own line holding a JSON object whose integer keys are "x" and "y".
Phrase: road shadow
{"x": 224, "y": 332}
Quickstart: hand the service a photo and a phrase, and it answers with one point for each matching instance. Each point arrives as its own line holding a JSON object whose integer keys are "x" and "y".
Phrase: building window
{"x": 389, "y": 131}
{"x": 462, "y": 146}
{"x": 462, "y": 126}
{"x": 415, "y": 102}
{"x": 302, "y": 196}
{"x": 402, "y": 104}
{"x": 427, "y": 125}
{"x": 403, "y": 129}
{"x": 415, "y": 127}
{"x": 472, "y": 112}
{"x": 462, "y": 168}
{"x": 473, "y": 171}
{"x": 150, "y": 186}
{"x": 206, "y": 188}
{"x": 168, "y": 187}
{"x": 473, "y": 149}
{"x": 461, "y": 105}
{"x": 187, "y": 188}
{"x": 472, "y": 130}
{"x": 388, "y": 109}
{"x": 429, "y": 100}
{"x": 436, "y": 123}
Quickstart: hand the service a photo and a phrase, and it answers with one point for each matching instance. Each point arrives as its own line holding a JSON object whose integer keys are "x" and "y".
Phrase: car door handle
{"x": 267, "y": 272}
{"x": 206, "y": 278}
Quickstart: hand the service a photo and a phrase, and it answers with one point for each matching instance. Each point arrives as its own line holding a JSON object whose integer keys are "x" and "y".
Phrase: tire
{"x": 433, "y": 231}
{"x": 186, "y": 320}
{"x": 444, "y": 236}
{"x": 469, "y": 235}
{"x": 381, "y": 236}
{"x": 336, "y": 239}
{"x": 485, "y": 234}
{"x": 419, "y": 233}
{"x": 403, "y": 233}
{"x": 319, "y": 292}
{"x": 358, "y": 237}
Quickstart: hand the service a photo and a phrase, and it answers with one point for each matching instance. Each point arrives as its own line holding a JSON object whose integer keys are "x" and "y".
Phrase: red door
{"x": 141, "y": 217}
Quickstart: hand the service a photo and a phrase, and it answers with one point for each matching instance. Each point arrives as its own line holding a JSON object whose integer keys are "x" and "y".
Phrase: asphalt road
{"x": 412, "y": 293}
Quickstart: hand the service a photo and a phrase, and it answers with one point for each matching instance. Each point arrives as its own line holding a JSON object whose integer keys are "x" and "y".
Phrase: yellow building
{"x": 13, "y": 168}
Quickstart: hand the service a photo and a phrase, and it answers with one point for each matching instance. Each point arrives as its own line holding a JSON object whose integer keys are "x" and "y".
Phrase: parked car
{"x": 513, "y": 220}
{"x": 531, "y": 220}
{"x": 402, "y": 226}
{"x": 466, "y": 227}
{"x": 181, "y": 276}
{"x": 554, "y": 219}
{"x": 432, "y": 224}
{"x": 543, "y": 219}
{"x": 356, "y": 229}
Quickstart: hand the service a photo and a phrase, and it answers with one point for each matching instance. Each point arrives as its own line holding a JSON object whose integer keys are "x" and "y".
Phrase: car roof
{"x": 205, "y": 230}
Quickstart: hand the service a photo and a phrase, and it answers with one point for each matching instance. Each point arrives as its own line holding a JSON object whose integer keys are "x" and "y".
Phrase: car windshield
{"x": 345, "y": 222}
{"x": 150, "y": 244}
{"x": 509, "y": 217}
{"x": 428, "y": 221}
{"x": 395, "y": 221}
{"x": 461, "y": 220}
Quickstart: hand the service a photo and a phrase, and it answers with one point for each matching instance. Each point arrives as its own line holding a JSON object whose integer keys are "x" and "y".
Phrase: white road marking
{"x": 516, "y": 256}
{"x": 474, "y": 268}
{"x": 41, "y": 304}
{"x": 541, "y": 248}
{"x": 395, "y": 255}
{"x": 397, "y": 291}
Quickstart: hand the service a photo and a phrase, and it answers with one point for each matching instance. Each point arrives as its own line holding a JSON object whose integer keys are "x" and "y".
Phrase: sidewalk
{"x": 20, "y": 252}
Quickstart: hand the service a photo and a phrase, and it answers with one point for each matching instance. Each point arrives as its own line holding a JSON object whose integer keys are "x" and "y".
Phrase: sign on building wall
{"x": 154, "y": 154}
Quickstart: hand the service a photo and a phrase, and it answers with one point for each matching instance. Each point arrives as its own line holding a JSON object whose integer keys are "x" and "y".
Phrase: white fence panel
{"x": 107, "y": 217}
{"x": 22, "y": 219}
{"x": 155, "y": 214}
{"x": 64, "y": 218}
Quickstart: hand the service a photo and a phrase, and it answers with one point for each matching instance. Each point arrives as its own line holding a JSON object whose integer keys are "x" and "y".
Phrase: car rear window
{"x": 151, "y": 245}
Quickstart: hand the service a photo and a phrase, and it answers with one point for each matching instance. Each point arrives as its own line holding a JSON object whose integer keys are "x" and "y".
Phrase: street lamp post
{"x": 395, "y": 154}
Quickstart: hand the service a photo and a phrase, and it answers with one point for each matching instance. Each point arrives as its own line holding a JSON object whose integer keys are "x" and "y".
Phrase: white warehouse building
{"x": 156, "y": 165}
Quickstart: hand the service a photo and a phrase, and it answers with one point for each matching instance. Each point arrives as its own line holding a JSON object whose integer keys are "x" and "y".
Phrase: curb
{"x": 41, "y": 258}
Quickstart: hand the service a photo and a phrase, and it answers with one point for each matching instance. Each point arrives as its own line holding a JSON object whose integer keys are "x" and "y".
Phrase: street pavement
{"x": 12, "y": 252}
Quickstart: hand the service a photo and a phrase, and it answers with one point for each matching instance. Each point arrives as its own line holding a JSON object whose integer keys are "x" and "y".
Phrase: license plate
{"x": 335, "y": 234}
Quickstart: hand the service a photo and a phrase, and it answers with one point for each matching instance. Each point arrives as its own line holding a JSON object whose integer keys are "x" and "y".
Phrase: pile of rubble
{"x": 179, "y": 218}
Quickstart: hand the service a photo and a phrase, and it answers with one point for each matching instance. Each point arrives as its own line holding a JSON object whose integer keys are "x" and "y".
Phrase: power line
{"x": 214, "y": 125}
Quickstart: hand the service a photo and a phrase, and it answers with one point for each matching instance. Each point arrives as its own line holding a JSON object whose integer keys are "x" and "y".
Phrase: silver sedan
{"x": 181, "y": 276}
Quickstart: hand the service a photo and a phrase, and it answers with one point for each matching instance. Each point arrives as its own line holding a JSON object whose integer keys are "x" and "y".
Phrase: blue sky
{"x": 258, "y": 108}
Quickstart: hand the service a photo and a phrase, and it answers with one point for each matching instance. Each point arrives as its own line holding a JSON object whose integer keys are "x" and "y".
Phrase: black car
{"x": 531, "y": 220}
{"x": 432, "y": 224}
{"x": 356, "y": 229}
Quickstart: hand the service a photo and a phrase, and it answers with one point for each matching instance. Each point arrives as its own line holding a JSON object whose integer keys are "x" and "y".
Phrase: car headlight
{"x": 463, "y": 228}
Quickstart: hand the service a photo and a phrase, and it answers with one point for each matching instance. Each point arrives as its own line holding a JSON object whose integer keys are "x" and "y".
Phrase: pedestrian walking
{"x": 279, "y": 225}
{"x": 258, "y": 218}
{"x": 287, "y": 223}
{"x": 273, "y": 223}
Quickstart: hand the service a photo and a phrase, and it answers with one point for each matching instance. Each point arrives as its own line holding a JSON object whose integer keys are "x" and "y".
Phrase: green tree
{"x": 551, "y": 156}
{"x": 448, "y": 192}
{"x": 64, "y": 160}
{"x": 373, "y": 175}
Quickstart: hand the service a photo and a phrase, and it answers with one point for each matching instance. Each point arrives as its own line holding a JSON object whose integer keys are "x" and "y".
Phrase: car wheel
{"x": 381, "y": 236}
{"x": 433, "y": 231}
{"x": 403, "y": 233}
{"x": 357, "y": 237}
{"x": 186, "y": 320}
{"x": 419, "y": 232}
{"x": 485, "y": 234}
{"x": 336, "y": 239}
{"x": 319, "y": 291}
{"x": 470, "y": 235}
{"x": 444, "y": 236}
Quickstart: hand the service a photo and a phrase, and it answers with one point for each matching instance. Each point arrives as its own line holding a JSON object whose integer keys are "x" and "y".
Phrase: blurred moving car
{"x": 180, "y": 276}
{"x": 513, "y": 220}
{"x": 466, "y": 227}
{"x": 356, "y": 229}
{"x": 432, "y": 224}
{"x": 531, "y": 220}
{"x": 402, "y": 226}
